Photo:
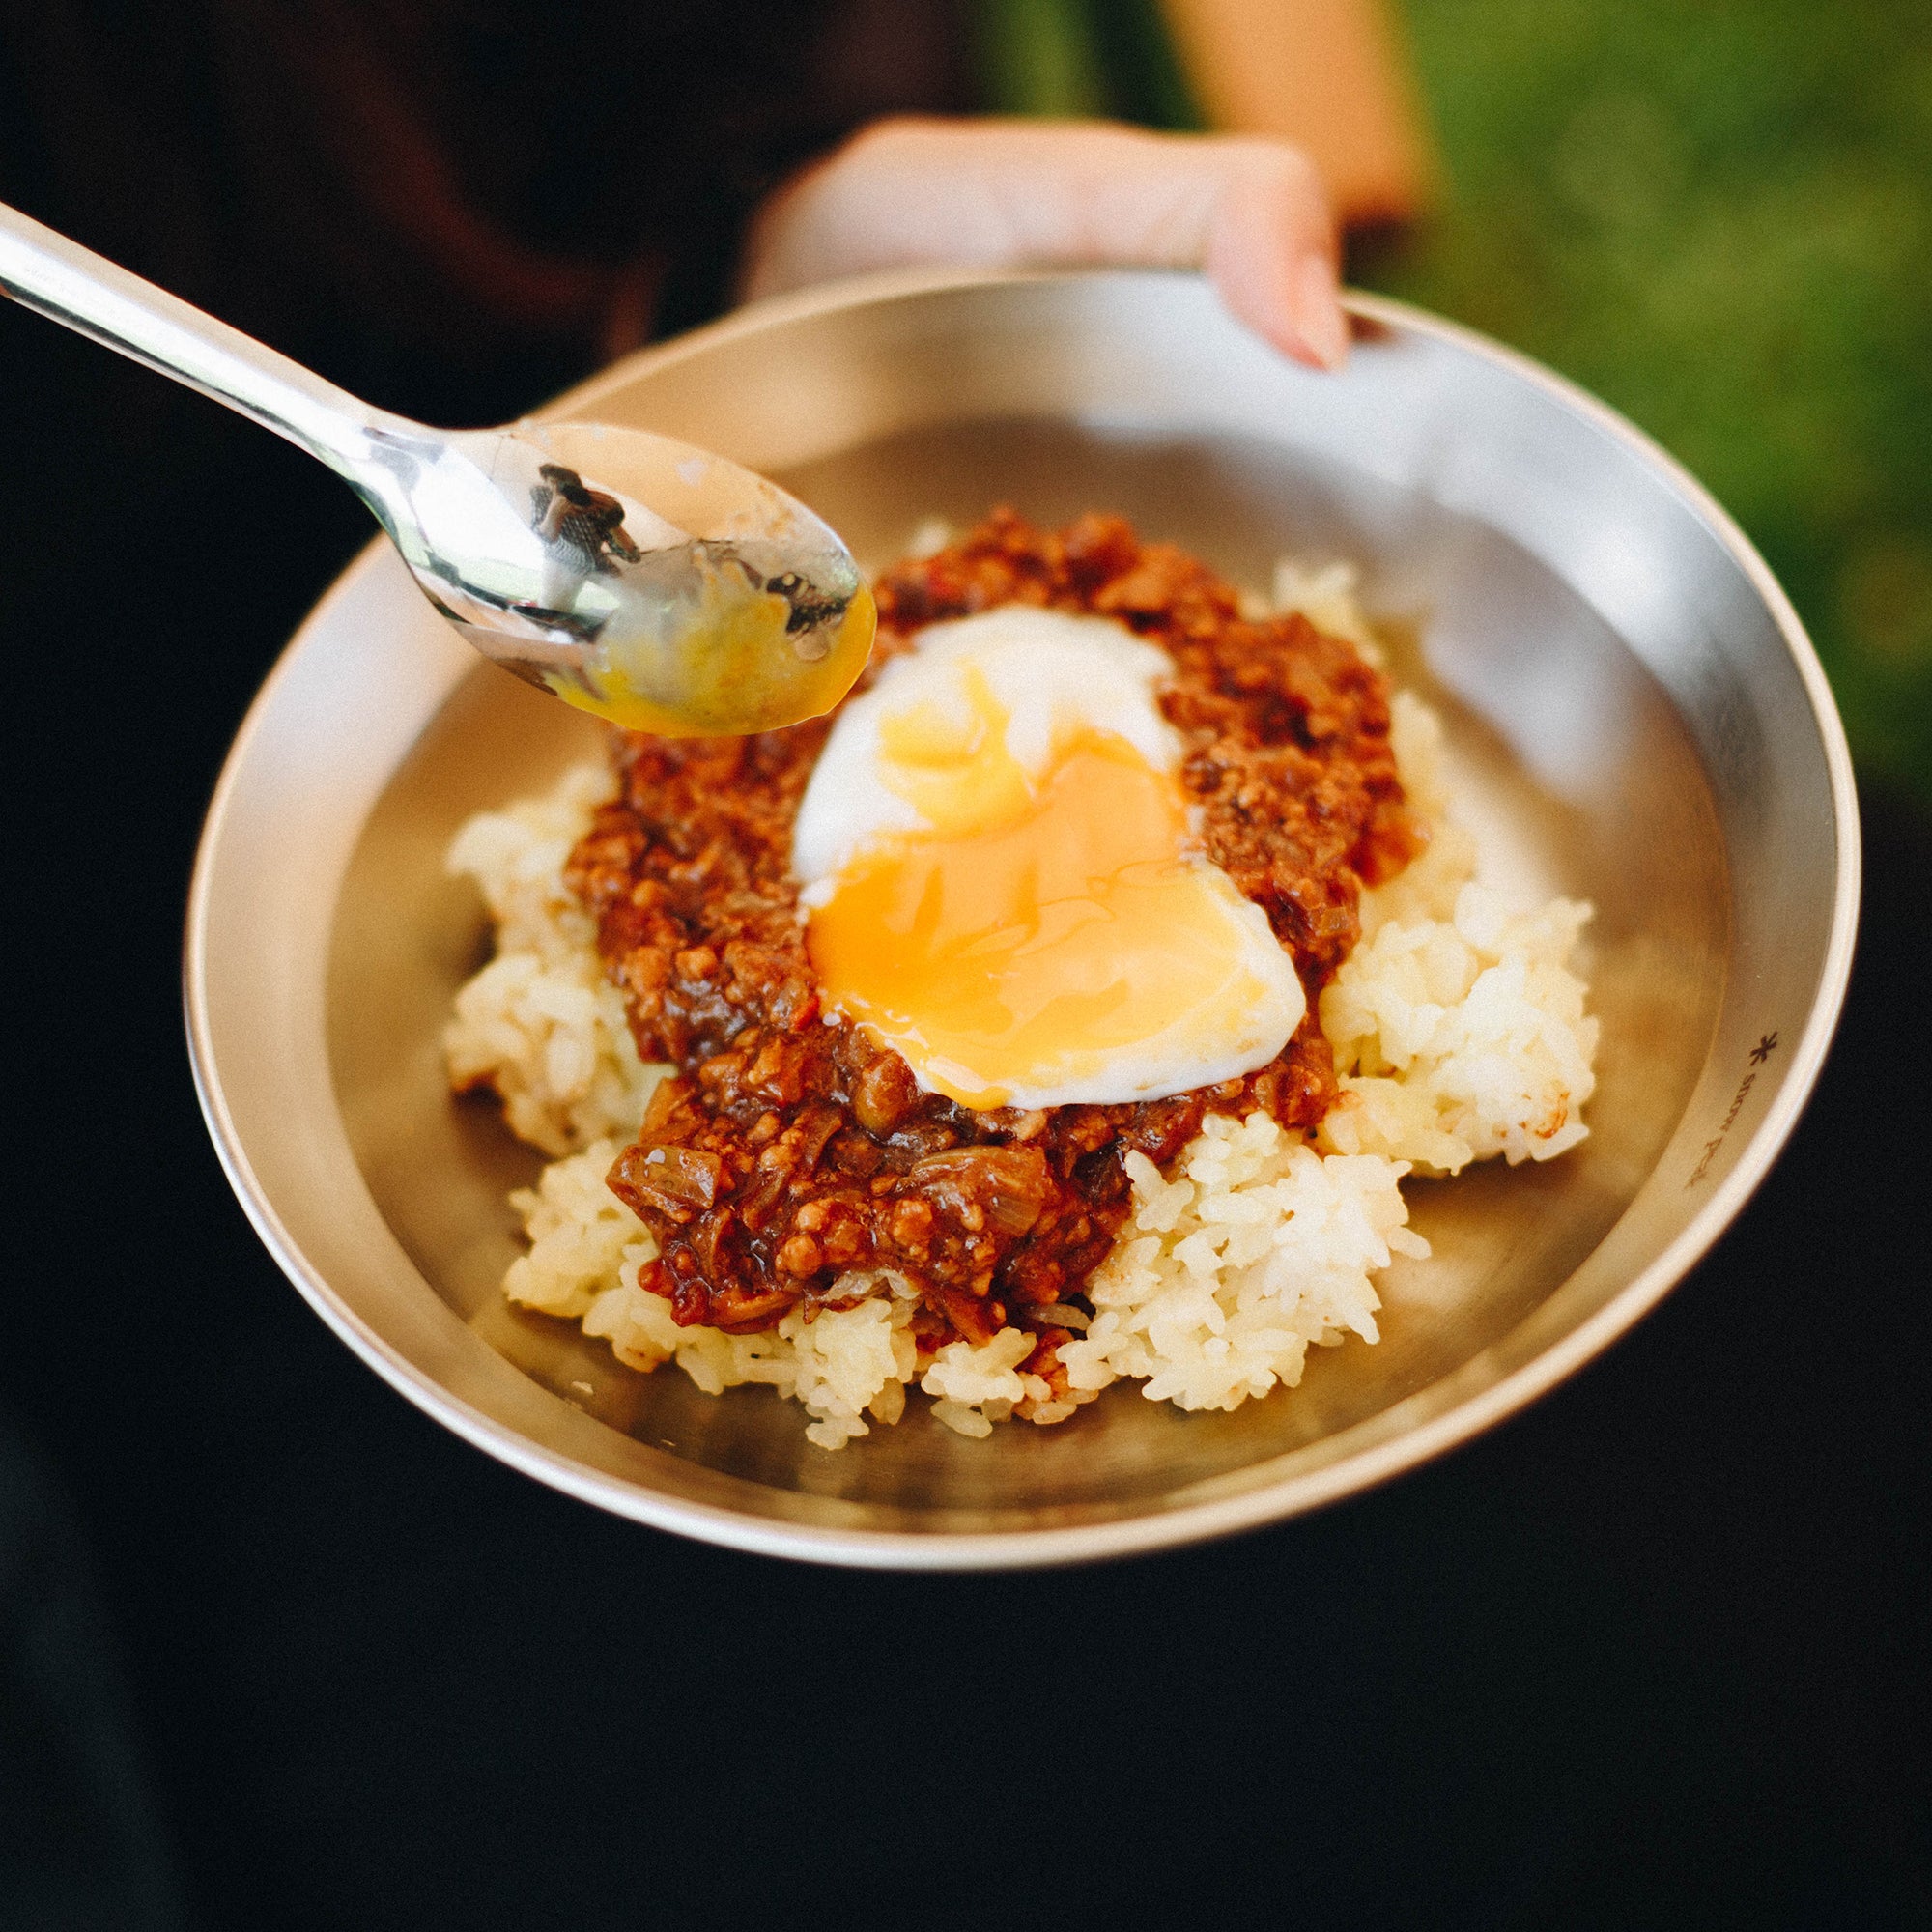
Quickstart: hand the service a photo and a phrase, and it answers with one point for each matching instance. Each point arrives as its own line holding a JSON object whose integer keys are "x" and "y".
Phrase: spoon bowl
{"x": 638, "y": 578}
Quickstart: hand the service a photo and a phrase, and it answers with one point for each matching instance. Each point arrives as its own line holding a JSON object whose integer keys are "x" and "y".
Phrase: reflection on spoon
{"x": 641, "y": 579}
{"x": 650, "y": 582}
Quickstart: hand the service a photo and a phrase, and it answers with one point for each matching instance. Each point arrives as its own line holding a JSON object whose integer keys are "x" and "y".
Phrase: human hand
{"x": 1019, "y": 194}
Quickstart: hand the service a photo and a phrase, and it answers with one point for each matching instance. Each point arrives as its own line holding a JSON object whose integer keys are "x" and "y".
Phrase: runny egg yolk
{"x": 1042, "y": 935}
{"x": 724, "y": 669}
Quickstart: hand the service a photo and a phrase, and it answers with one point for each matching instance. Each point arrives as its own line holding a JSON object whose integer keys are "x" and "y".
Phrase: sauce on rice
{"x": 792, "y": 1148}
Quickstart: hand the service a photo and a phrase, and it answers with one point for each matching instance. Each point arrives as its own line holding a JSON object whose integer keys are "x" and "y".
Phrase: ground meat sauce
{"x": 791, "y": 1148}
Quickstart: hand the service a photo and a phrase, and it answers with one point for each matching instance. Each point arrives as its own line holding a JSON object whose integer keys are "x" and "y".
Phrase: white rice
{"x": 1458, "y": 1033}
{"x": 541, "y": 1023}
{"x": 1258, "y": 1248}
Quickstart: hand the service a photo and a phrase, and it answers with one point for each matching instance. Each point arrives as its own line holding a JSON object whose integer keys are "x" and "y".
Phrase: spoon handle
{"x": 70, "y": 284}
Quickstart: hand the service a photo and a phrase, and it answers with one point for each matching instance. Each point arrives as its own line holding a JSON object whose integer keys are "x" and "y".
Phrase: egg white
{"x": 1051, "y": 672}
{"x": 1047, "y": 668}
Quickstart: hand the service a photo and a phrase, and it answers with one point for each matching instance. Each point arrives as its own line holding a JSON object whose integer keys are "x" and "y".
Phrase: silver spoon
{"x": 642, "y": 578}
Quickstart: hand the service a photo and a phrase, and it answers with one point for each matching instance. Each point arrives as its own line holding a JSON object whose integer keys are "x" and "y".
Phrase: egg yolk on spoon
{"x": 1001, "y": 884}
{"x": 725, "y": 666}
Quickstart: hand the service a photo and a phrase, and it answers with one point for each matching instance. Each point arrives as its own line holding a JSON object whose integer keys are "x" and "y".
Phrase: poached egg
{"x": 1000, "y": 881}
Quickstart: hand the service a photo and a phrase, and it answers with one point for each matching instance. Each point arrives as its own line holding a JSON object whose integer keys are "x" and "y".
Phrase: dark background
{"x": 279, "y": 1652}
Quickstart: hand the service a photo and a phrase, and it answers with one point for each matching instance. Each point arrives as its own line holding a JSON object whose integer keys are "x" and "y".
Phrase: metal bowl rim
{"x": 1188, "y": 1523}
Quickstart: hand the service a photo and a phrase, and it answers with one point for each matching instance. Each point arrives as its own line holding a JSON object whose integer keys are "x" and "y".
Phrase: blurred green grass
{"x": 1715, "y": 214}
{"x": 1718, "y": 217}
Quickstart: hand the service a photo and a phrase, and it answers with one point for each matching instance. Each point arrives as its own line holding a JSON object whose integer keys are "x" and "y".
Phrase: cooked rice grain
{"x": 1257, "y": 1250}
{"x": 1462, "y": 1039}
{"x": 540, "y": 1023}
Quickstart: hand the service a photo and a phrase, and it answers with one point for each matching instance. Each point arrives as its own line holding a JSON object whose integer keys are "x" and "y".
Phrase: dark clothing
{"x": 80, "y": 1847}
{"x": 453, "y": 205}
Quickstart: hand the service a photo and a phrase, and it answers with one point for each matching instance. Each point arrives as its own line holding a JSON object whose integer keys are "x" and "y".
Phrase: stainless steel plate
{"x": 1635, "y": 718}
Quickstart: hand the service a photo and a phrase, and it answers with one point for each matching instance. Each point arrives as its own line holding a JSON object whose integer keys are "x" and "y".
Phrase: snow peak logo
{"x": 1767, "y": 1046}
